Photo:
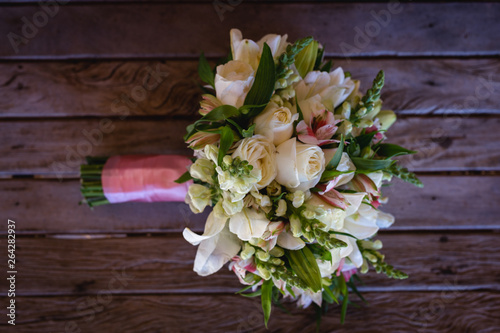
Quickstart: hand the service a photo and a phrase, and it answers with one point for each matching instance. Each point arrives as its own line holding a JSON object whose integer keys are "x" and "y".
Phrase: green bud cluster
{"x": 405, "y": 175}
{"x": 236, "y": 166}
{"x": 377, "y": 260}
{"x": 288, "y": 57}
{"x": 368, "y": 101}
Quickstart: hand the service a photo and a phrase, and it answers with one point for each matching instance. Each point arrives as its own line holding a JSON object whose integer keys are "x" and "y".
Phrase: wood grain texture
{"x": 463, "y": 202}
{"x": 159, "y": 30}
{"x": 163, "y": 264}
{"x": 169, "y": 88}
{"x": 426, "y": 312}
{"x": 56, "y": 148}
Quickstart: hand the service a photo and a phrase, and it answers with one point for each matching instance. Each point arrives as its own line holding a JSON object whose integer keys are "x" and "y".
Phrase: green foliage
{"x": 266, "y": 298}
{"x": 306, "y": 59}
{"x": 389, "y": 150}
{"x": 186, "y": 176}
{"x": 334, "y": 162}
{"x": 263, "y": 85}
{"x": 377, "y": 260}
{"x": 205, "y": 71}
{"x": 368, "y": 101}
{"x": 226, "y": 141}
{"x": 287, "y": 58}
{"x": 305, "y": 266}
{"x": 371, "y": 165}
{"x": 404, "y": 174}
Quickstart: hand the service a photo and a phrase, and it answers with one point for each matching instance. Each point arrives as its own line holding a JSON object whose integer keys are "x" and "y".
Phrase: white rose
{"x": 333, "y": 88}
{"x": 300, "y": 165}
{"x": 198, "y": 197}
{"x": 203, "y": 169}
{"x": 233, "y": 81}
{"x": 275, "y": 123}
{"x": 261, "y": 154}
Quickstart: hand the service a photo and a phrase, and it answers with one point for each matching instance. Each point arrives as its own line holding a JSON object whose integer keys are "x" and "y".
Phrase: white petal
{"x": 361, "y": 227}
{"x": 213, "y": 253}
{"x": 287, "y": 241}
{"x": 213, "y": 226}
{"x": 384, "y": 220}
{"x": 248, "y": 224}
{"x": 286, "y": 161}
{"x": 354, "y": 201}
{"x": 376, "y": 177}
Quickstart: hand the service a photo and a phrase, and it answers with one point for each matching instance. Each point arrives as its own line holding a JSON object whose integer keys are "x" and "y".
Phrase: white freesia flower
{"x": 238, "y": 184}
{"x": 261, "y": 154}
{"x": 300, "y": 165}
{"x": 214, "y": 252}
{"x": 211, "y": 152}
{"x": 331, "y": 216}
{"x": 198, "y": 197}
{"x": 203, "y": 169}
{"x": 333, "y": 88}
{"x": 275, "y": 123}
{"x": 233, "y": 81}
{"x": 248, "y": 51}
{"x": 248, "y": 224}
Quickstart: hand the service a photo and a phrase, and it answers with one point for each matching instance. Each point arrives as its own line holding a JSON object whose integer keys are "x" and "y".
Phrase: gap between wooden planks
{"x": 164, "y": 264}
{"x": 169, "y": 87}
{"x": 413, "y": 29}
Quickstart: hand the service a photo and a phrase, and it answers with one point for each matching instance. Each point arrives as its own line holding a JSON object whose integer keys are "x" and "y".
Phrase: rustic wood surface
{"x": 466, "y": 201}
{"x": 75, "y": 89}
{"x": 164, "y": 264}
{"x": 126, "y": 268}
{"x": 160, "y": 30}
{"x": 450, "y": 310}
{"x": 57, "y": 147}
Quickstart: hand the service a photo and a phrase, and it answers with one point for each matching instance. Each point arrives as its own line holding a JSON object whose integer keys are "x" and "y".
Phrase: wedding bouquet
{"x": 291, "y": 157}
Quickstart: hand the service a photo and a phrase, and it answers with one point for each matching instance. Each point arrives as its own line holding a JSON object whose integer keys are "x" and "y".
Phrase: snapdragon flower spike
{"x": 321, "y": 129}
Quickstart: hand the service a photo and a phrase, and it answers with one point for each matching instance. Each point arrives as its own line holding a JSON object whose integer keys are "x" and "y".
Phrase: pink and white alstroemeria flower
{"x": 320, "y": 130}
{"x": 331, "y": 196}
{"x": 363, "y": 183}
{"x": 240, "y": 267}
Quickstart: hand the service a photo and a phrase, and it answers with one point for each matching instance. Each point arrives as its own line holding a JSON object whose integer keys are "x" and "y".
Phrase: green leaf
{"x": 364, "y": 140}
{"x": 390, "y": 150}
{"x": 319, "y": 58}
{"x": 183, "y": 178}
{"x": 248, "y": 132}
{"x": 263, "y": 85}
{"x": 205, "y": 71}
{"x": 288, "y": 57}
{"x": 334, "y": 162}
{"x": 221, "y": 113}
{"x": 343, "y": 311}
{"x": 329, "y": 296}
{"x": 299, "y": 111}
{"x": 305, "y": 266}
{"x": 244, "y": 289}
{"x": 306, "y": 59}
{"x": 266, "y": 298}
{"x": 373, "y": 165}
{"x": 226, "y": 141}
{"x": 327, "y": 67}
{"x": 254, "y": 294}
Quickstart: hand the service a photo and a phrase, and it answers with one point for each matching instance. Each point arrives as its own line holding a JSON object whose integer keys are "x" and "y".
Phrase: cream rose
{"x": 275, "y": 123}
{"x": 233, "y": 81}
{"x": 333, "y": 88}
{"x": 261, "y": 154}
{"x": 300, "y": 165}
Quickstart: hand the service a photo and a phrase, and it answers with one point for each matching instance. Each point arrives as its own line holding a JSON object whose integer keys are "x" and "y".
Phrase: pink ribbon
{"x": 145, "y": 178}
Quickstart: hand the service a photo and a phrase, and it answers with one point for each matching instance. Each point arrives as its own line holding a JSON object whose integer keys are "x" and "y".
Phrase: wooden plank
{"x": 450, "y": 311}
{"x": 111, "y": 88}
{"x": 465, "y": 202}
{"x": 163, "y": 264}
{"x": 57, "y": 147}
{"x": 415, "y": 29}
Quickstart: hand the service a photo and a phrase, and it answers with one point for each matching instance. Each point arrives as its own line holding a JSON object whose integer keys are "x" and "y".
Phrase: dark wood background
{"x": 85, "y": 66}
